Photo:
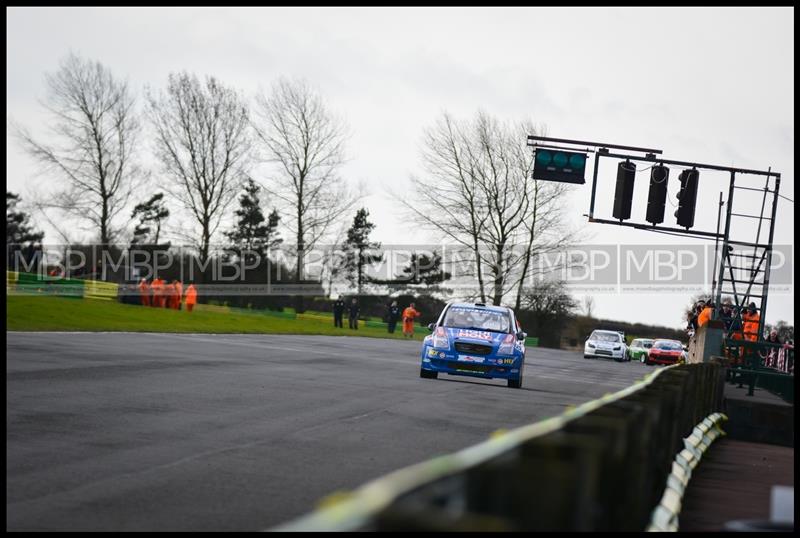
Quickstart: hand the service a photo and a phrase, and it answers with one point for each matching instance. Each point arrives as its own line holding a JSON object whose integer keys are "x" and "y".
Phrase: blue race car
{"x": 475, "y": 340}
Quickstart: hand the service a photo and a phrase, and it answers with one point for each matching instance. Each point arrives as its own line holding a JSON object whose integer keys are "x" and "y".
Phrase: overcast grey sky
{"x": 711, "y": 85}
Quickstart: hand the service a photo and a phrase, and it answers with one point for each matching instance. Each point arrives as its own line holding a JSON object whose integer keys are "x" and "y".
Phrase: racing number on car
{"x": 470, "y": 333}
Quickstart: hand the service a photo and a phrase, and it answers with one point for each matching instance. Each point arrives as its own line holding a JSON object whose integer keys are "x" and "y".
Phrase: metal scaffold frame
{"x": 762, "y": 252}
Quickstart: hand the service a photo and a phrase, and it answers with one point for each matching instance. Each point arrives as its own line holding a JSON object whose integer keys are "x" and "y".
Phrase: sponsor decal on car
{"x": 471, "y": 333}
{"x": 441, "y": 355}
{"x": 470, "y": 358}
{"x": 505, "y": 361}
{"x": 432, "y": 352}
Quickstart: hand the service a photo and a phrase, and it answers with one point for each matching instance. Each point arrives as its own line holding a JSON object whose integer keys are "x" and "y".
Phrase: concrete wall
{"x": 706, "y": 342}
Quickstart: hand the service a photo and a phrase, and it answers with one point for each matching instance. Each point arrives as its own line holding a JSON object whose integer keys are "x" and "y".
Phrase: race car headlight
{"x": 590, "y": 345}
{"x": 507, "y": 347}
{"x": 617, "y": 348}
{"x": 440, "y": 340}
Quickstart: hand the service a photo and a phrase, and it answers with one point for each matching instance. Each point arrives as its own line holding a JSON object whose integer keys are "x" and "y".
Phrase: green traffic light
{"x": 560, "y": 159}
{"x": 543, "y": 157}
{"x": 577, "y": 161}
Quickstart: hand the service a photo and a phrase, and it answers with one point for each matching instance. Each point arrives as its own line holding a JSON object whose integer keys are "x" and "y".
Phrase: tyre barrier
{"x": 600, "y": 466}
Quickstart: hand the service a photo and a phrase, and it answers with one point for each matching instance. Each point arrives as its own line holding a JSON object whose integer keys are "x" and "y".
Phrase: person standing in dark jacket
{"x": 393, "y": 316}
{"x": 726, "y": 315}
{"x": 338, "y": 312}
{"x": 691, "y": 327}
{"x": 353, "y": 314}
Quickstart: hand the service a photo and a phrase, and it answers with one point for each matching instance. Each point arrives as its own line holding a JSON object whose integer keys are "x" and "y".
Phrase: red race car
{"x": 664, "y": 352}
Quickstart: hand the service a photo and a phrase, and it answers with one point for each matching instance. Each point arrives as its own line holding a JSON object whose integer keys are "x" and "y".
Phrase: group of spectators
{"x": 393, "y": 315}
{"x": 742, "y": 324}
{"x": 159, "y": 293}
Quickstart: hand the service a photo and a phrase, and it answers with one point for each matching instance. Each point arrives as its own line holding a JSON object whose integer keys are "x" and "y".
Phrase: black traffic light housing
{"x": 559, "y": 165}
{"x": 687, "y": 197}
{"x": 657, "y": 196}
{"x": 623, "y": 195}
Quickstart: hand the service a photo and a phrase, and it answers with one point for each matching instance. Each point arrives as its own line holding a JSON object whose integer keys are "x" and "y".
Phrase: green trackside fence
{"x": 532, "y": 341}
{"x": 599, "y": 467}
{"x": 35, "y": 284}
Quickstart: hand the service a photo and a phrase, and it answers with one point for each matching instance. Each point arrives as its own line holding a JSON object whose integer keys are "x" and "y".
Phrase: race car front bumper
{"x": 488, "y": 367}
{"x": 618, "y": 354}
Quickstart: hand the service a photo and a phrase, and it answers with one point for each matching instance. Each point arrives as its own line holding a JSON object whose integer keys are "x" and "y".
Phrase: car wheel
{"x": 427, "y": 374}
{"x": 586, "y": 357}
{"x": 643, "y": 358}
{"x": 515, "y": 383}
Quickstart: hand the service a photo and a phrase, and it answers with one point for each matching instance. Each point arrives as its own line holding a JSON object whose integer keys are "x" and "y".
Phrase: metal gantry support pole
{"x": 760, "y": 221}
{"x": 725, "y": 237}
{"x": 714, "y": 281}
{"x": 765, "y": 287}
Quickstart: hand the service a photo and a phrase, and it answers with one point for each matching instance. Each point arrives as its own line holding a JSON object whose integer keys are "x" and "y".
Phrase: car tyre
{"x": 586, "y": 357}
{"x": 427, "y": 374}
{"x": 515, "y": 383}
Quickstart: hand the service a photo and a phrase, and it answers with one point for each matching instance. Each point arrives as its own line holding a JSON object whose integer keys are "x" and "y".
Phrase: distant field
{"x": 32, "y": 313}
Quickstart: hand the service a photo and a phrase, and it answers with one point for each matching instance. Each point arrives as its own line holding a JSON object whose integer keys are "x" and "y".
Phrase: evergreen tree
{"x": 359, "y": 250}
{"x": 20, "y": 236}
{"x": 253, "y": 234}
{"x": 425, "y": 269}
{"x": 150, "y": 213}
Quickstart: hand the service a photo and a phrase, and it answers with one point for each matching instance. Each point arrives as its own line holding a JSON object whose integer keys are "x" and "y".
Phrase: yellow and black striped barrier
{"x": 11, "y": 280}
{"x": 97, "y": 289}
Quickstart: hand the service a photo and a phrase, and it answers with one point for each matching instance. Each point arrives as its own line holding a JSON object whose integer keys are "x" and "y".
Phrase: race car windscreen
{"x": 459, "y": 317}
{"x": 671, "y": 346}
{"x": 605, "y": 337}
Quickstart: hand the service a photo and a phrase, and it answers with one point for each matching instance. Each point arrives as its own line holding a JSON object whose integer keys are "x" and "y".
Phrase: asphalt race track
{"x": 145, "y": 432}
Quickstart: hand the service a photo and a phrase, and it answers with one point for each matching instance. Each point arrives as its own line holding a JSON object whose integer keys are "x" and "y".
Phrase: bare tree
{"x": 95, "y": 127}
{"x": 450, "y": 199}
{"x": 480, "y": 194}
{"x": 203, "y": 144}
{"x": 306, "y": 142}
{"x": 333, "y": 259}
{"x": 588, "y": 306}
{"x": 549, "y": 307}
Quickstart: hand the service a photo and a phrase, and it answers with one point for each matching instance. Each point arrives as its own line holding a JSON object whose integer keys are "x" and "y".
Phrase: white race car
{"x": 609, "y": 344}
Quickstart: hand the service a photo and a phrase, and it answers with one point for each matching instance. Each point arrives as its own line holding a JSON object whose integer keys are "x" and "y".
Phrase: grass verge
{"x": 37, "y": 313}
